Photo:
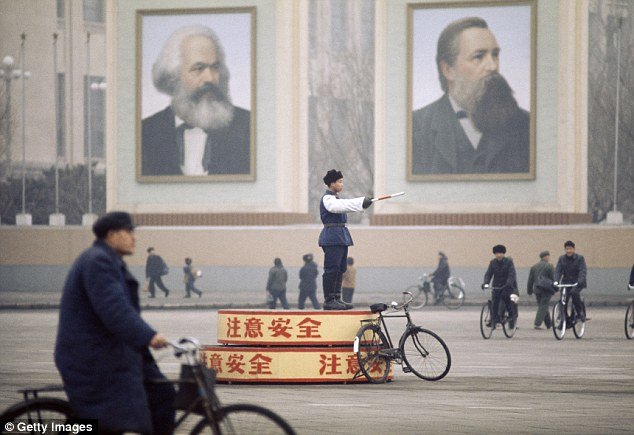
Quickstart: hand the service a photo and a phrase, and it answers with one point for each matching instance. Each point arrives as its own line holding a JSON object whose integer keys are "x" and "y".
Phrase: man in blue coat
{"x": 335, "y": 238}
{"x": 102, "y": 342}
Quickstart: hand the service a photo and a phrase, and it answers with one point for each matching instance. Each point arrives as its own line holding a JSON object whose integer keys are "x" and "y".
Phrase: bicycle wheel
{"x": 579, "y": 327}
{"x": 559, "y": 320}
{"x": 506, "y": 325}
{"x": 485, "y": 317}
{"x": 368, "y": 344}
{"x": 453, "y": 298}
{"x": 40, "y": 410}
{"x": 420, "y": 297}
{"x": 629, "y": 321}
{"x": 244, "y": 419}
{"x": 425, "y": 353}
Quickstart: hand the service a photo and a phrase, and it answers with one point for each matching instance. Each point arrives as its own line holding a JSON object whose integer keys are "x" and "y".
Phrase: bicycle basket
{"x": 188, "y": 388}
{"x": 377, "y": 308}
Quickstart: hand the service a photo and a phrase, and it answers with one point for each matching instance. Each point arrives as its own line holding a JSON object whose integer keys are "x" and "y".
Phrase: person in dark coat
{"x": 155, "y": 268}
{"x": 440, "y": 277}
{"x": 308, "y": 283}
{"x": 631, "y": 284}
{"x": 571, "y": 268}
{"x": 502, "y": 270}
{"x": 335, "y": 238}
{"x": 545, "y": 270}
{"x": 276, "y": 284}
{"x": 102, "y": 342}
{"x": 190, "y": 276}
{"x": 477, "y": 126}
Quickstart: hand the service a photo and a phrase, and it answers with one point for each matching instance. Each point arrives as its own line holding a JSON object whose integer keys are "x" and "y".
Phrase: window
{"x": 93, "y": 11}
{"x": 94, "y": 121}
{"x": 60, "y": 118}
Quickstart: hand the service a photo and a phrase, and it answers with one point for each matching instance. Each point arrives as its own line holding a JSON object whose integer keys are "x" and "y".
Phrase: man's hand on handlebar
{"x": 158, "y": 342}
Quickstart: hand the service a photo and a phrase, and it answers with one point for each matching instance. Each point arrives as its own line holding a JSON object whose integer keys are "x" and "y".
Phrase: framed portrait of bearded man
{"x": 471, "y": 80}
{"x": 195, "y": 105}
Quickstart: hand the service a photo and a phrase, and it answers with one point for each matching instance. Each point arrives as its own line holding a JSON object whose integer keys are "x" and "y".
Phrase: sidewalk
{"x": 256, "y": 299}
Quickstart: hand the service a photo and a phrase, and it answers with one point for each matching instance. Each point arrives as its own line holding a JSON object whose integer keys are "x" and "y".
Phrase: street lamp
{"x": 89, "y": 218}
{"x": 619, "y": 9}
{"x": 57, "y": 218}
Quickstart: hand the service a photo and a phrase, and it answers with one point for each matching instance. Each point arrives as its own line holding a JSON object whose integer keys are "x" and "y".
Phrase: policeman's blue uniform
{"x": 334, "y": 239}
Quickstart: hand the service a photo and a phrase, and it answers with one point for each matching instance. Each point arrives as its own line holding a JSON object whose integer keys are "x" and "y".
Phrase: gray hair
{"x": 448, "y": 48}
{"x": 166, "y": 69}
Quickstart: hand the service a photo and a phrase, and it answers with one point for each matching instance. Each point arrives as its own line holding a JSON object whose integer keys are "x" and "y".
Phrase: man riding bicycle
{"x": 571, "y": 268}
{"x": 502, "y": 270}
{"x": 439, "y": 277}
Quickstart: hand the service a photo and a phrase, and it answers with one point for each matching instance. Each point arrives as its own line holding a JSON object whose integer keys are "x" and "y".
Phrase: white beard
{"x": 206, "y": 113}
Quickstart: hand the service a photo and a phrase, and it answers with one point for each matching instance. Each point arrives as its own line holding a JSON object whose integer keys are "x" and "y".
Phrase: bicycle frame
{"x": 381, "y": 320}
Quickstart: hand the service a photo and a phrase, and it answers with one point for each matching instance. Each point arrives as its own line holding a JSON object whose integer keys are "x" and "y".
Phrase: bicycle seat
{"x": 377, "y": 308}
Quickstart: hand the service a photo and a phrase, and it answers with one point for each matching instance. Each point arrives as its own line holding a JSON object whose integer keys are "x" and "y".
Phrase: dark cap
{"x": 307, "y": 257}
{"x": 113, "y": 221}
{"x": 332, "y": 176}
{"x": 499, "y": 248}
{"x": 544, "y": 254}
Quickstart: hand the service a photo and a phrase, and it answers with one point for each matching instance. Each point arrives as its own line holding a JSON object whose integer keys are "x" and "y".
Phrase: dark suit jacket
{"x": 229, "y": 152}
{"x": 440, "y": 145}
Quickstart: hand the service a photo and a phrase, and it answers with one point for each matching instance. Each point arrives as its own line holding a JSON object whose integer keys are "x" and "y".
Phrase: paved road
{"x": 529, "y": 384}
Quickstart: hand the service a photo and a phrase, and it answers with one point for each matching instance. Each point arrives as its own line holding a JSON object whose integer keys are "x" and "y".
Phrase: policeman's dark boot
{"x": 338, "y": 297}
{"x": 330, "y": 300}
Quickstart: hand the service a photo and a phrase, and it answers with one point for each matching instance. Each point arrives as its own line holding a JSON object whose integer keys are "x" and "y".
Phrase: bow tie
{"x": 461, "y": 114}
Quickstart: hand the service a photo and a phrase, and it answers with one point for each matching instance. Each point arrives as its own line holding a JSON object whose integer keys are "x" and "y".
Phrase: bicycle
{"x": 453, "y": 294}
{"x": 565, "y": 315}
{"x": 629, "y": 318}
{"x": 196, "y": 395}
{"x": 505, "y": 317}
{"x": 420, "y": 351}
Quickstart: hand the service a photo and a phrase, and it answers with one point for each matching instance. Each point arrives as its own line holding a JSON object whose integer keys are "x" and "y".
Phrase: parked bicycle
{"x": 452, "y": 295}
{"x": 629, "y": 318}
{"x": 565, "y": 315}
{"x": 196, "y": 396}
{"x": 420, "y": 351}
{"x": 509, "y": 326}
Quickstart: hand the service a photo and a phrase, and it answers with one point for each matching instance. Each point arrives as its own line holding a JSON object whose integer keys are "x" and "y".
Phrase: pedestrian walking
{"x": 155, "y": 269}
{"x": 335, "y": 238}
{"x": 102, "y": 342}
{"x": 276, "y": 285}
{"x": 540, "y": 283}
{"x": 191, "y": 274}
{"x": 308, "y": 283}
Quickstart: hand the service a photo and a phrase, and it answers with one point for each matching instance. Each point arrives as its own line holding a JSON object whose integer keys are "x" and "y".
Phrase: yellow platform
{"x": 282, "y": 364}
{"x": 290, "y": 328}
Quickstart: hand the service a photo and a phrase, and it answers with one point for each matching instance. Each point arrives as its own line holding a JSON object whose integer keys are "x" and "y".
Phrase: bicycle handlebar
{"x": 187, "y": 346}
{"x": 406, "y": 295}
{"x": 560, "y": 286}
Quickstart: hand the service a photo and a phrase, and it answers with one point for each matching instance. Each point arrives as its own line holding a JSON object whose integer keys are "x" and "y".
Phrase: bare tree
{"x": 604, "y": 25}
{"x": 341, "y": 116}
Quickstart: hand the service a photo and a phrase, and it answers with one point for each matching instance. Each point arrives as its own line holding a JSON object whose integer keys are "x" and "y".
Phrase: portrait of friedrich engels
{"x": 201, "y": 132}
{"x": 476, "y": 127}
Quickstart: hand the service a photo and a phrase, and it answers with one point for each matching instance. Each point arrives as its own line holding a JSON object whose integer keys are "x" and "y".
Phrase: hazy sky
{"x": 234, "y": 32}
{"x": 509, "y": 24}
